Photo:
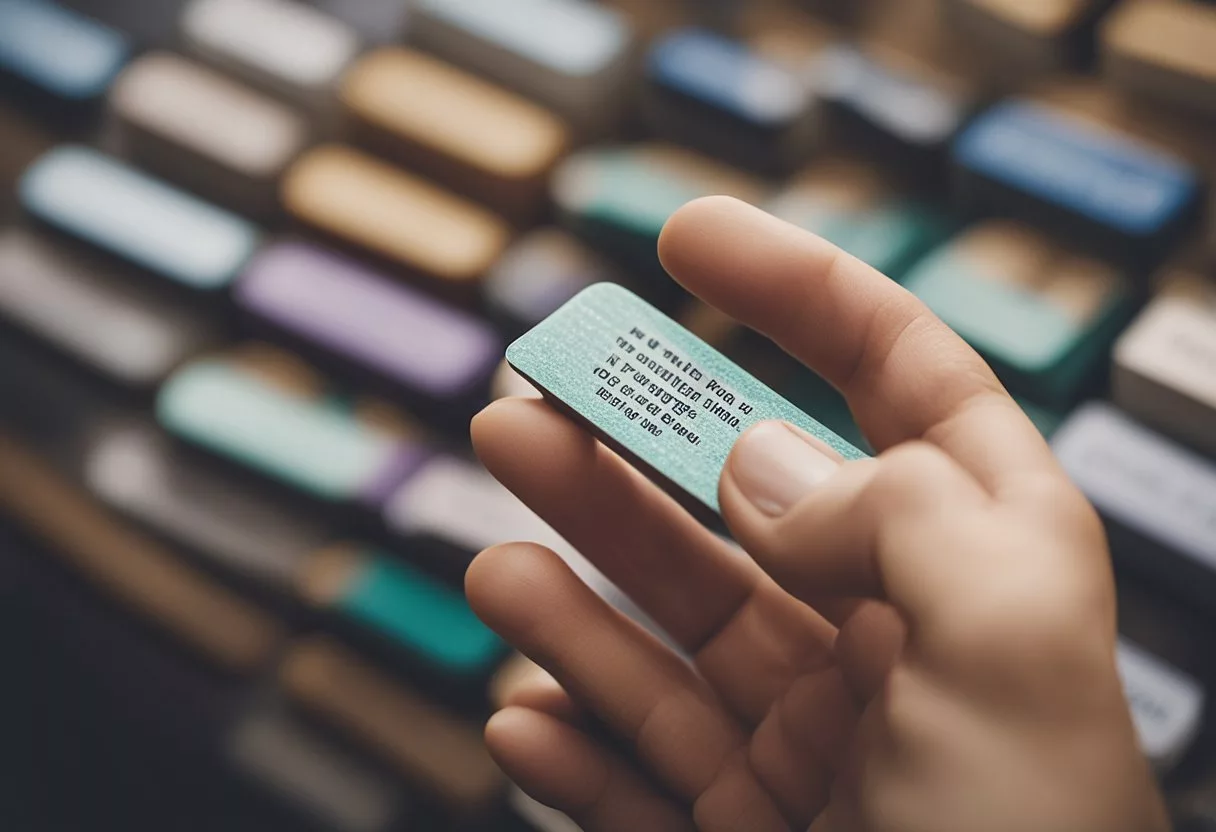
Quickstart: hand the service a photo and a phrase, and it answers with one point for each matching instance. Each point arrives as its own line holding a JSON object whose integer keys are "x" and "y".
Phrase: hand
{"x": 922, "y": 642}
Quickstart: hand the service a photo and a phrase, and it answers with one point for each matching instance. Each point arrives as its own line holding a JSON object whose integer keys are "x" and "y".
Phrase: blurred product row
{"x": 259, "y": 261}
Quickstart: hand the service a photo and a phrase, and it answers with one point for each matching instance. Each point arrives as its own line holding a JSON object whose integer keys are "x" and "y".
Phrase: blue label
{"x": 1095, "y": 172}
{"x": 59, "y": 50}
{"x": 725, "y": 74}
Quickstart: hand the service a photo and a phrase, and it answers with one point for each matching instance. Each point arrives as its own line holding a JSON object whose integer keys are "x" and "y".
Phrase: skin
{"x": 924, "y": 642}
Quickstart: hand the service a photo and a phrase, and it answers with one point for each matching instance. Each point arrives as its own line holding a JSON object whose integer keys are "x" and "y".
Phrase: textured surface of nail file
{"x": 653, "y": 390}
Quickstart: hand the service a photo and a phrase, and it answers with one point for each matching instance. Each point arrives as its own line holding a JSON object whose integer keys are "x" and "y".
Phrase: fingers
{"x": 801, "y": 743}
{"x": 562, "y": 767}
{"x": 638, "y": 688}
{"x": 662, "y": 558}
{"x": 749, "y": 639}
{"x": 868, "y": 645}
{"x": 819, "y": 526}
{"x": 905, "y": 373}
{"x": 522, "y": 683}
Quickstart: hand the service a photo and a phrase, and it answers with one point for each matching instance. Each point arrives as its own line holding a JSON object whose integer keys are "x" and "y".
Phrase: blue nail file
{"x": 651, "y": 390}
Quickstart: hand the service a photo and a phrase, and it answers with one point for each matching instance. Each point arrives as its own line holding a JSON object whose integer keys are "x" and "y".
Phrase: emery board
{"x": 652, "y": 391}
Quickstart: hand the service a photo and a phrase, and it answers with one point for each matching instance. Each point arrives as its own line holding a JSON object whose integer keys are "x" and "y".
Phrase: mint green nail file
{"x": 651, "y": 390}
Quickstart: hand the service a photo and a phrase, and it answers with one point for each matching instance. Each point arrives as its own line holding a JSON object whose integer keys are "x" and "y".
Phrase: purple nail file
{"x": 430, "y": 349}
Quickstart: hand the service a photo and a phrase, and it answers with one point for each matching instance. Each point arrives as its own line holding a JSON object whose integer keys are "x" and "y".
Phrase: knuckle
{"x": 1053, "y": 497}
{"x": 735, "y": 800}
{"x": 915, "y": 457}
{"x": 904, "y": 469}
{"x": 668, "y": 723}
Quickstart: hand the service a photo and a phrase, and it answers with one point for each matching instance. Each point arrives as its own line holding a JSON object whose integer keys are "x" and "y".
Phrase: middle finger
{"x": 639, "y": 688}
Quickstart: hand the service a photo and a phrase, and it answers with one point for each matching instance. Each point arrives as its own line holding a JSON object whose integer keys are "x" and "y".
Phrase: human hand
{"x": 922, "y": 642}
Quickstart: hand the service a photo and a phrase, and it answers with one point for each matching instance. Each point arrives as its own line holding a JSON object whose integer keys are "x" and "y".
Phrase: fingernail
{"x": 775, "y": 465}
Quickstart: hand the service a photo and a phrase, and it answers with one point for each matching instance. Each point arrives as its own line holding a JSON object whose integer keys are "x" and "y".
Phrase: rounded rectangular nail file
{"x": 653, "y": 391}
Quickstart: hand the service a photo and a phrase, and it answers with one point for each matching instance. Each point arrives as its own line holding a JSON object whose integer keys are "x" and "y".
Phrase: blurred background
{"x": 259, "y": 260}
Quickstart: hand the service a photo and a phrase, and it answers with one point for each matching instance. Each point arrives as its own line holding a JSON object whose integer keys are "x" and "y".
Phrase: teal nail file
{"x": 651, "y": 390}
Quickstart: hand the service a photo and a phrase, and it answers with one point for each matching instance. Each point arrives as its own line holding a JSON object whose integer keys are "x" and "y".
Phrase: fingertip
{"x": 550, "y": 760}
{"x": 546, "y": 695}
{"x": 495, "y": 421}
{"x": 486, "y": 574}
{"x": 488, "y": 565}
{"x": 533, "y": 748}
{"x": 506, "y": 437}
{"x": 744, "y": 261}
{"x": 519, "y": 740}
{"x": 508, "y": 729}
{"x": 520, "y": 681}
{"x": 503, "y": 583}
{"x": 692, "y": 213}
{"x": 684, "y": 233}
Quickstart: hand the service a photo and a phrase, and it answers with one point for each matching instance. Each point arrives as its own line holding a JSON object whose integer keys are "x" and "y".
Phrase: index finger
{"x": 905, "y": 374}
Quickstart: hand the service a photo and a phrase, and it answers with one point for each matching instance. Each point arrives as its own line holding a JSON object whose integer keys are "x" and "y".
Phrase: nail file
{"x": 652, "y": 391}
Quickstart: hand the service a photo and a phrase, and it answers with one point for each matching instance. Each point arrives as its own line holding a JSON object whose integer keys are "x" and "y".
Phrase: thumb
{"x": 822, "y": 527}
